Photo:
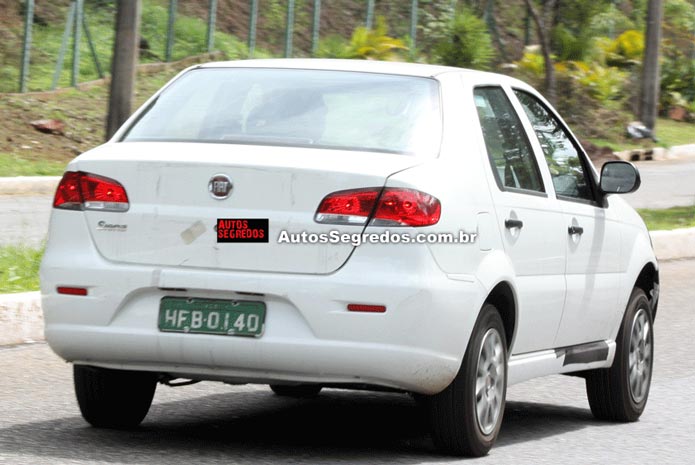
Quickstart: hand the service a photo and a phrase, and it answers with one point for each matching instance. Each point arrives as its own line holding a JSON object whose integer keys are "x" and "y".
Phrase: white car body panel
{"x": 592, "y": 275}
{"x": 432, "y": 292}
{"x": 283, "y": 183}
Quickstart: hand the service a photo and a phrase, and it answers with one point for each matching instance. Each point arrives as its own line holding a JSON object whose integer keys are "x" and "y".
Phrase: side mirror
{"x": 619, "y": 177}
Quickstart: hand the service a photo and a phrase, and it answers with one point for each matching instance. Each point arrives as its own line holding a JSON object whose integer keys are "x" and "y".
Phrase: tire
{"x": 612, "y": 395}
{"x": 457, "y": 427}
{"x": 300, "y": 391}
{"x": 113, "y": 398}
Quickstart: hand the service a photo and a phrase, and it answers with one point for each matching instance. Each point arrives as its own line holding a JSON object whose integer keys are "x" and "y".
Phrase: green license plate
{"x": 211, "y": 316}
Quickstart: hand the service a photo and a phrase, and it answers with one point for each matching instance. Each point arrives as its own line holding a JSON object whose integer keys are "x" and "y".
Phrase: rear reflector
{"x": 366, "y": 308}
{"x": 84, "y": 191}
{"x": 72, "y": 290}
{"x": 392, "y": 207}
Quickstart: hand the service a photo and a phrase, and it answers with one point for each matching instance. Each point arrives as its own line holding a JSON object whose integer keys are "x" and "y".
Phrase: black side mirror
{"x": 619, "y": 177}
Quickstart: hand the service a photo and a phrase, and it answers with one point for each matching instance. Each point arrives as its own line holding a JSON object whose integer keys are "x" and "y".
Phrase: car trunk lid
{"x": 172, "y": 216}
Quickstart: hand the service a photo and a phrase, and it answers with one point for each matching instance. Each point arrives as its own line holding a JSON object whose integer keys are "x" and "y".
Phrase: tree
{"x": 466, "y": 43}
{"x": 649, "y": 95}
{"x": 365, "y": 44}
{"x": 125, "y": 58}
{"x": 542, "y": 20}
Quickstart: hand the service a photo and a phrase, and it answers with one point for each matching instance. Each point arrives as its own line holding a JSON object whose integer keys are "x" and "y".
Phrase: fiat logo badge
{"x": 220, "y": 186}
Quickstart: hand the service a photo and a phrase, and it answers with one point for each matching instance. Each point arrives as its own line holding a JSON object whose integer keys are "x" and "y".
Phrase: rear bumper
{"x": 417, "y": 345}
{"x": 238, "y": 360}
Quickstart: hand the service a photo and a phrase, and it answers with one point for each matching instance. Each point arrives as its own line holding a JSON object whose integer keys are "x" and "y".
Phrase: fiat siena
{"x": 166, "y": 260}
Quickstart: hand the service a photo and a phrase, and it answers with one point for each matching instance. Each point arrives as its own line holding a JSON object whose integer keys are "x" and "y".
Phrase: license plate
{"x": 211, "y": 316}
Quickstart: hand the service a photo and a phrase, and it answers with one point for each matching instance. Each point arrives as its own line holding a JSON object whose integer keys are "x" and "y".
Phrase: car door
{"x": 592, "y": 239}
{"x": 528, "y": 218}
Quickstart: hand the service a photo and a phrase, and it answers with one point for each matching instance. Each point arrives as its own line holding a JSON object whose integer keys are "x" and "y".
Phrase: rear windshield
{"x": 298, "y": 108}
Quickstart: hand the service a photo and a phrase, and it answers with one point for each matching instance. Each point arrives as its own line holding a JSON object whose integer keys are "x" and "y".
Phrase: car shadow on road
{"x": 257, "y": 426}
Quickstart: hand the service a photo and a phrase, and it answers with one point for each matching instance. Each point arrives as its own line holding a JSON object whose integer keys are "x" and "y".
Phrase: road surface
{"x": 24, "y": 219}
{"x": 547, "y": 420}
{"x": 665, "y": 184}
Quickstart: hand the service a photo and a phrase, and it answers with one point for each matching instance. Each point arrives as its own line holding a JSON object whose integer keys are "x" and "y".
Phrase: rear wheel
{"x": 466, "y": 417}
{"x": 297, "y": 390}
{"x": 620, "y": 393}
{"x": 113, "y": 398}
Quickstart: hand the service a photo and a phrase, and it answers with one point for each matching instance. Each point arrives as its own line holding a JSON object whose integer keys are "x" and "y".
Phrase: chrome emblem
{"x": 220, "y": 186}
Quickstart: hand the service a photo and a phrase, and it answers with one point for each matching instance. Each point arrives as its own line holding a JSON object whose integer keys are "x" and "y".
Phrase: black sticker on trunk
{"x": 242, "y": 230}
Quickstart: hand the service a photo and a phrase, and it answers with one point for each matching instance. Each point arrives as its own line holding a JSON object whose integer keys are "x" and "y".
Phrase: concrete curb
{"x": 671, "y": 245}
{"x": 21, "y": 319}
{"x": 676, "y": 152}
{"x": 29, "y": 185}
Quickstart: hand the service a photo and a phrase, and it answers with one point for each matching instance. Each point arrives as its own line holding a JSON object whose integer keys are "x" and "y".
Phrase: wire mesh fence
{"x": 65, "y": 42}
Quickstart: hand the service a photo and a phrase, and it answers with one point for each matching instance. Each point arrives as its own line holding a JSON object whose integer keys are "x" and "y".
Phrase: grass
{"x": 669, "y": 133}
{"x": 672, "y": 133}
{"x": 19, "y": 269}
{"x": 13, "y": 165}
{"x": 669, "y": 218}
{"x": 25, "y": 151}
{"x": 190, "y": 38}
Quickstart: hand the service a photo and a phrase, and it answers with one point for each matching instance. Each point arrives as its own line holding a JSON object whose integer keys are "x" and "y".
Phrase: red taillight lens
{"x": 348, "y": 207}
{"x": 101, "y": 193}
{"x": 78, "y": 190}
{"x": 406, "y": 207}
{"x": 68, "y": 194}
{"x": 394, "y": 207}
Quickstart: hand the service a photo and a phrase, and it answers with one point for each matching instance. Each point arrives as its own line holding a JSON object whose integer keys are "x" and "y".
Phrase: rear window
{"x": 298, "y": 108}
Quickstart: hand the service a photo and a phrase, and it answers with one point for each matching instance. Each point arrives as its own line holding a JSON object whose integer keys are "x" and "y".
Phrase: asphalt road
{"x": 665, "y": 184}
{"x": 24, "y": 219}
{"x": 547, "y": 420}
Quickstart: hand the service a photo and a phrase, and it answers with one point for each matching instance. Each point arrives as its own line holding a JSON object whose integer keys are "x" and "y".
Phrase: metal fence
{"x": 77, "y": 30}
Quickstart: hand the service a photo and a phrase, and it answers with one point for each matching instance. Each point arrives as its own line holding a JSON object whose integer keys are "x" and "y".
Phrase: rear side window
{"x": 513, "y": 162}
{"x": 297, "y": 108}
{"x": 566, "y": 168}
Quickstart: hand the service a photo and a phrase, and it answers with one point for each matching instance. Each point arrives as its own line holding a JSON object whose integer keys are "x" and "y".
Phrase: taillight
{"x": 68, "y": 194}
{"x": 390, "y": 207}
{"x": 84, "y": 191}
{"x": 348, "y": 207}
{"x": 406, "y": 207}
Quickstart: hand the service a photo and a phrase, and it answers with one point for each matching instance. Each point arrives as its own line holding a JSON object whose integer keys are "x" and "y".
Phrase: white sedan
{"x": 349, "y": 224}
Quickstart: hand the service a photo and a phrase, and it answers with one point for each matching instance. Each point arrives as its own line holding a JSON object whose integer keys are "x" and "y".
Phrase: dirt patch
{"x": 598, "y": 155}
{"x": 82, "y": 110}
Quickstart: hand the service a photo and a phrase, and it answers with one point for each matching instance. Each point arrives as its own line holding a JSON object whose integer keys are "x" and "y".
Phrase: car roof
{"x": 368, "y": 66}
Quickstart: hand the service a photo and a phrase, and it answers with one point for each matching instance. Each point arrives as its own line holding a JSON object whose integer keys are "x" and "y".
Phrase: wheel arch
{"x": 496, "y": 275}
{"x": 648, "y": 281}
{"x": 503, "y": 297}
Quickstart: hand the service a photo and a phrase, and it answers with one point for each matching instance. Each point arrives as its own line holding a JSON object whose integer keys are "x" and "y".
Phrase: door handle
{"x": 572, "y": 230}
{"x": 511, "y": 224}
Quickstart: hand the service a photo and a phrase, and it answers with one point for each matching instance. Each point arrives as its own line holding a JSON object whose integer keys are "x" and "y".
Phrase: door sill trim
{"x": 587, "y": 356}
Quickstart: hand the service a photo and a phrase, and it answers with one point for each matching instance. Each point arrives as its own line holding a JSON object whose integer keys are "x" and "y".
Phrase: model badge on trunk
{"x": 104, "y": 226}
{"x": 220, "y": 186}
